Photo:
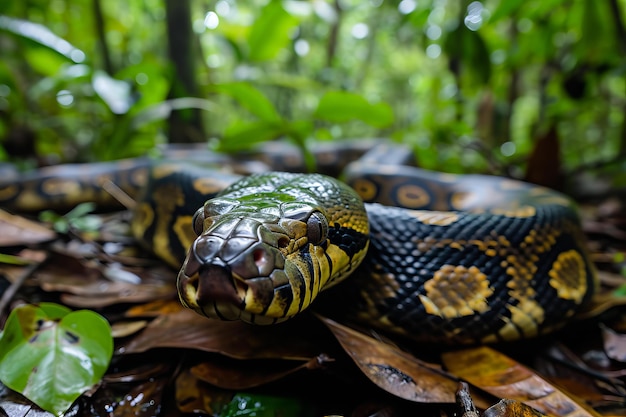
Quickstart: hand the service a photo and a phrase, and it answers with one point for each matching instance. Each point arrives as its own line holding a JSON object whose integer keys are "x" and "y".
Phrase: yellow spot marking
{"x": 184, "y": 231}
{"x": 506, "y": 184}
{"x": 8, "y": 191}
{"x": 60, "y": 186}
{"x": 458, "y": 200}
{"x": 507, "y": 332}
{"x": 456, "y": 291}
{"x": 166, "y": 199}
{"x": 366, "y": 189}
{"x": 523, "y": 211}
{"x": 161, "y": 171}
{"x": 142, "y": 219}
{"x": 526, "y": 317}
{"x": 437, "y": 218}
{"x": 568, "y": 276}
{"x": 412, "y": 196}
{"x": 208, "y": 185}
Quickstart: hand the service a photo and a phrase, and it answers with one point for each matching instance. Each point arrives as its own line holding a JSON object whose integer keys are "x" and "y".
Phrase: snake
{"x": 442, "y": 258}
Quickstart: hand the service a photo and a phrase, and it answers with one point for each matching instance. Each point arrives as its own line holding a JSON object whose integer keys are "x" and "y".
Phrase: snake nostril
{"x": 283, "y": 242}
{"x": 260, "y": 257}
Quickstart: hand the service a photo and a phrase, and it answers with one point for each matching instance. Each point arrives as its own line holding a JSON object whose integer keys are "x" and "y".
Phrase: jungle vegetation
{"x": 472, "y": 86}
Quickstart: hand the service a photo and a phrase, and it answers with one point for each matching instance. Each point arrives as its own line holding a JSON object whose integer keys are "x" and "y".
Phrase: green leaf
{"x": 78, "y": 218}
{"x": 597, "y": 37}
{"x": 44, "y": 61}
{"x": 270, "y": 32}
{"x": 257, "y": 405}
{"x": 42, "y": 36}
{"x": 250, "y": 98}
{"x": 116, "y": 94}
{"x": 12, "y": 260}
{"x": 245, "y": 135}
{"x": 469, "y": 47}
{"x": 52, "y": 355}
{"x": 340, "y": 106}
{"x": 505, "y": 9}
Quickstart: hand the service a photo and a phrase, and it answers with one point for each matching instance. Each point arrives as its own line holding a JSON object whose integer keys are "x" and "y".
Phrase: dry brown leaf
{"x": 143, "y": 400}
{"x": 143, "y": 372}
{"x": 17, "y": 231}
{"x": 83, "y": 286}
{"x": 104, "y": 294}
{"x": 126, "y": 328}
{"x": 237, "y": 374}
{"x": 197, "y": 397}
{"x": 505, "y": 378}
{"x": 394, "y": 370}
{"x": 294, "y": 340}
{"x": 154, "y": 308}
{"x": 511, "y": 408}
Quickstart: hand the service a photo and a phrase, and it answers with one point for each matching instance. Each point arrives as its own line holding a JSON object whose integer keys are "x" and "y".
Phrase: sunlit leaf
{"x": 52, "y": 355}
{"x": 162, "y": 110}
{"x": 244, "y": 135}
{"x": 44, "y": 61}
{"x": 151, "y": 82}
{"x": 115, "y": 93}
{"x": 41, "y": 35}
{"x": 506, "y": 8}
{"x": 251, "y": 98}
{"x": 270, "y": 32}
{"x": 340, "y": 106}
{"x": 503, "y": 377}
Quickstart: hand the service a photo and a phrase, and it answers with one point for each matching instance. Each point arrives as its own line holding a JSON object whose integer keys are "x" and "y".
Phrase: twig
{"x": 17, "y": 284}
{"x": 119, "y": 194}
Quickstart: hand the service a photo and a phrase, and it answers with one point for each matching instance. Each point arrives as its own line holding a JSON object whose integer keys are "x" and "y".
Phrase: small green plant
{"x": 51, "y": 354}
{"x": 77, "y": 219}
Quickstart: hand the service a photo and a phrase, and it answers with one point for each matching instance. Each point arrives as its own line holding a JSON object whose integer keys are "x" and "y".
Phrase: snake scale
{"x": 432, "y": 256}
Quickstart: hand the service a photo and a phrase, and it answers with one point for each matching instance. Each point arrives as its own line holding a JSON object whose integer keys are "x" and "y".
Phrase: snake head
{"x": 269, "y": 244}
{"x": 249, "y": 260}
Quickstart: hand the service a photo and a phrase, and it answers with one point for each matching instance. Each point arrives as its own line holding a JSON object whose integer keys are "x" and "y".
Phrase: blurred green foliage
{"x": 470, "y": 85}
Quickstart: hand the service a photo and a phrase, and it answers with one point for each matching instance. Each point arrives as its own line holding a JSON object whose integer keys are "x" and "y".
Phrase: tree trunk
{"x": 184, "y": 125}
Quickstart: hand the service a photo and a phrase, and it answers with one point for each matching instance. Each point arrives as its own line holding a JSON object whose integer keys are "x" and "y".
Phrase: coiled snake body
{"x": 455, "y": 259}
{"x": 507, "y": 263}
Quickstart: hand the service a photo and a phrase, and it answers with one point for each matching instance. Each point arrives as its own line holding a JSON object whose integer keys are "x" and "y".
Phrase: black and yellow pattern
{"x": 445, "y": 258}
{"x": 269, "y": 244}
{"x": 474, "y": 258}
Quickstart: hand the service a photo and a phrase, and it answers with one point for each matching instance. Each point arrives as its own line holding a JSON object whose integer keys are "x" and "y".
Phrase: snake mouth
{"x": 212, "y": 290}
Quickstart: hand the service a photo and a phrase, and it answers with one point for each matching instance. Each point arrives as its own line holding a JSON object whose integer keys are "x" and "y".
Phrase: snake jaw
{"x": 201, "y": 285}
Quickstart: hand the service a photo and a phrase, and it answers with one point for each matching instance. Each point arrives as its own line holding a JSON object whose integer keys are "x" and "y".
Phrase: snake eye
{"x": 198, "y": 221}
{"x": 317, "y": 228}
